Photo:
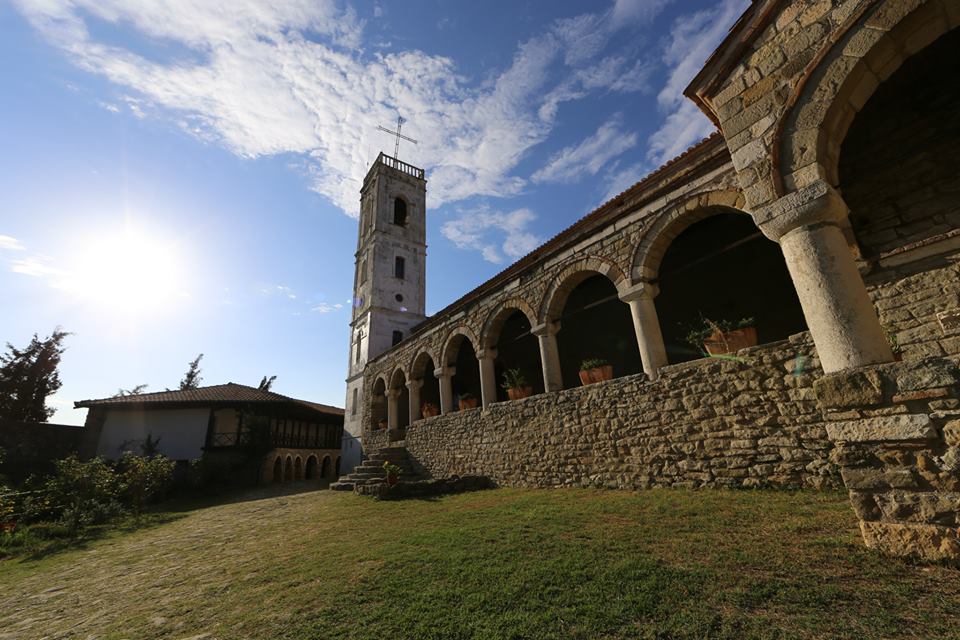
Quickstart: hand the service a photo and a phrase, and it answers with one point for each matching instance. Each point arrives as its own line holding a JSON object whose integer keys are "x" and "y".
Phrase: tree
{"x": 28, "y": 376}
{"x": 192, "y": 379}
{"x": 135, "y": 391}
{"x": 266, "y": 383}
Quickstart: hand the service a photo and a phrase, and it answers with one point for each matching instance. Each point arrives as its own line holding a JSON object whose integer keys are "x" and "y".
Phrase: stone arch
{"x": 336, "y": 468}
{"x": 398, "y": 385}
{"x": 326, "y": 468}
{"x": 490, "y": 332}
{"x": 378, "y": 401}
{"x": 418, "y": 366}
{"x": 297, "y": 468}
{"x": 288, "y": 469}
{"x": 645, "y": 264}
{"x": 278, "y": 469}
{"x": 400, "y": 211}
{"x": 807, "y": 141}
{"x": 310, "y": 471}
{"x": 572, "y": 275}
{"x": 423, "y": 369}
{"x": 452, "y": 344}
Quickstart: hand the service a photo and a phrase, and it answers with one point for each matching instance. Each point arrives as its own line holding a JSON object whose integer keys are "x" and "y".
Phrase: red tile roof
{"x": 219, "y": 394}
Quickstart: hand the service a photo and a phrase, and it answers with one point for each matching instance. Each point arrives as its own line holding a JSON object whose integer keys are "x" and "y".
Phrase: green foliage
{"x": 266, "y": 383}
{"x": 192, "y": 378}
{"x": 142, "y": 478}
{"x": 466, "y": 395}
{"x": 28, "y": 376}
{"x": 514, "y": 379}
{"x": 78, "y": 494}
{"x": 699, "y": 333}
{"x": 135, "y": 391}
{"x": 391, "y": 469}
{"x": 593, "y": 363}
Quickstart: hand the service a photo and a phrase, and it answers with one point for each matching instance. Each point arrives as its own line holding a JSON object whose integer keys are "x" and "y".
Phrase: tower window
{"x": 400, "y": 212}
{"x": 397, "y": 337}
{"x": 399, "y": 266}
{"x": 363, "y": 271}
{"x": 353, "y": 409}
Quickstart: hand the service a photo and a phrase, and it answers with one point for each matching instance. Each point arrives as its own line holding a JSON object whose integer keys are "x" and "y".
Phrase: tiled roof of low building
{"x": 216, "y": 394}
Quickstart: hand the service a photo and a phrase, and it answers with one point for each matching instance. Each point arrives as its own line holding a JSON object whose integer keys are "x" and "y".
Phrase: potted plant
{"x": 722, "y": 337}
{"x": 516, "y": 384}
{"x": 393, "y": 473}
{"x": 467, "y": 401}
{"x": 595, "y": 370}
{"x": 429, "y": 410}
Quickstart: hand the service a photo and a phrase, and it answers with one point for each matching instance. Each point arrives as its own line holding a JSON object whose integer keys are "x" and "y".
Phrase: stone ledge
{"x": 872, "y": 479}
{"x": 895, "y": 428}
{"x": 925, "y": 541}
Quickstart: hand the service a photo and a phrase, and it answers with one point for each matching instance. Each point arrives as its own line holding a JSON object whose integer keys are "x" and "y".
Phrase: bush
{"x": 78, "y": 494}
{"x": 142, "y": 478}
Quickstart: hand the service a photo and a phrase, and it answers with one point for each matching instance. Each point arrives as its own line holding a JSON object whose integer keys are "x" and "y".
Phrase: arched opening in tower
{"x": 378, "y": 405}
{"x": 400, "y": 212}
{"x": 596, "y": 325}
{"x": 518, "y": 349}
{"x": 899, "y": 169}
{"x": 466, "y": 379}
{"x": 722, "y": 270}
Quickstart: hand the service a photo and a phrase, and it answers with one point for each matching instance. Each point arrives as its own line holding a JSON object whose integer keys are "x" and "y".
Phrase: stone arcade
{"x": 827, "y": 207}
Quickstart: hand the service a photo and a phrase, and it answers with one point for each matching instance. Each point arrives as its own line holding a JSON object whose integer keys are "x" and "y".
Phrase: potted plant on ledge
{"x": 429, "y": 410}
{"x": 393, "y": 473}
{"x": 722, "y": 337}
{"x": 467, "y": 401}
{"x": 595, "y": 370}
{"x": 516, "y": 384}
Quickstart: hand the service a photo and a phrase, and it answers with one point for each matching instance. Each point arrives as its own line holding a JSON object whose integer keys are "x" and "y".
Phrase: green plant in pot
{"x": 516, "y": 384}
{"x": 722, "y": 337}
{"x": 595, "y": 370}
{"x": 429, "y": 410}
{"x": 468, "y": 401}
{"x": 393, "y": 473}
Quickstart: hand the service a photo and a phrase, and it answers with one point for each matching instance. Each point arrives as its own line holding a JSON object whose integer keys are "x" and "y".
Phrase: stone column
{"x": 445, "y": 379}
{"x": 647, "y": 327}
{"x": 841, "y": 318}
{"x": 488, "y": 376}
{"x": 393, "y": 408}
{"x": 413, "y": 388}
{"x": 549, "y": 355}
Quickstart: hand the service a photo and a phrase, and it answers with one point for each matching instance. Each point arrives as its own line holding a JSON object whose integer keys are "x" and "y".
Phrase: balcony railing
{"x": 400, "y": 165}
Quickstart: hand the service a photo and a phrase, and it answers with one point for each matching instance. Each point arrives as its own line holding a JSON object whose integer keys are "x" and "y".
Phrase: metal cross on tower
{"x": 396, "y": 147}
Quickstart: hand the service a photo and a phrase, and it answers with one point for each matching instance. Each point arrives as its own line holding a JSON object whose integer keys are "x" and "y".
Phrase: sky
{"x": 182, "y": 176}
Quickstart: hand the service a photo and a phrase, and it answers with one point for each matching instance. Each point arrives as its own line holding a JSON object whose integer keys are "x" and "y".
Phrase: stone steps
{"x": 371, "y": 469}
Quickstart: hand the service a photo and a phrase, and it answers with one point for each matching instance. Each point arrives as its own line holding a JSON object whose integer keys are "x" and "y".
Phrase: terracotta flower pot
{"x": 430, "y": 410}
{"x": 519, "y": 393}
{"x": 730, "y": 341}
{"x": 597, "y": 374}
{"x": 392, "y": 479}
{"x": 469, "y": 403}
{"x": 382, "y": 424}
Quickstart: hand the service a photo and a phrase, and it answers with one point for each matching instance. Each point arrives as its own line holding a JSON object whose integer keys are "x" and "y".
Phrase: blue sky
{"x": 182, "y": 176}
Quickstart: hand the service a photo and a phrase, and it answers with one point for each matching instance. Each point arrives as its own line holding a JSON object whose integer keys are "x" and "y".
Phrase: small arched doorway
{"x": 310, "y": 473}
{"x": 325, "y": 468}
{"x": 278, "y": 470}
{"x": 288, "y": 469}
{"x": 297, "y": 469}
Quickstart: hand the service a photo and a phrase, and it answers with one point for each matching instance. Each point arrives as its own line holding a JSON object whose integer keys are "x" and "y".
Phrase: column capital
{"x": 393, "y": 394}
{"x": 414, "y": 383}
{"x": 487, "y": 354}
{"x": 444, "y": 372}
{"x": 816, "y": 203}
{"x": 545, "y": 329}
{"x": 640, "y": 291}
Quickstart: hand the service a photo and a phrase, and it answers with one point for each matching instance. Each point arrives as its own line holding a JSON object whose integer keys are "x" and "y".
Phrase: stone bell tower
{"x": 390, "y": 278}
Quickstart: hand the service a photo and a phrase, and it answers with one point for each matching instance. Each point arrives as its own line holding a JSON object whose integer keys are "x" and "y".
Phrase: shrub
{"x": 593, "y": 363}
{"x": 698, "y": 334}
{"x": 513, "y": 379}
{"x": 78, "y": 494}
{"x": 142, "y": 478}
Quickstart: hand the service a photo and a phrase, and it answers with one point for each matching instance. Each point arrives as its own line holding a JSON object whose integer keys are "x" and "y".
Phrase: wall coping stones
{"x": 910, "y": 426}
{"x": 927, "y": 541}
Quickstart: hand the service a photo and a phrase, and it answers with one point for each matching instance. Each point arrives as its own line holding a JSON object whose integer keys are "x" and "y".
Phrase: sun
{"x": 131, "y": 271}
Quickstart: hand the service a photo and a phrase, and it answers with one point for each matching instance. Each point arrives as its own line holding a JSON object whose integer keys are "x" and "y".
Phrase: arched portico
{"x": 508, "y": 336}
{"x": 278, "y": 469}
{"x": 310, "y": 471}
{"x": 424, "y": 387}
{"x": 288, "y": 469}
{"x": 460, "y": 369}
{"x": 398, "y": 401}
{"x": 378, "y": 404}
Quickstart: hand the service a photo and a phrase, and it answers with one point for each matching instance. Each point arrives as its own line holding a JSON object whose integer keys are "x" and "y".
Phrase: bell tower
{"x": 389, "y": 283}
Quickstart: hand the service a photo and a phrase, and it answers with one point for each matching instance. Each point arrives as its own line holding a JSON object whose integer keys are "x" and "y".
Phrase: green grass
{"x": 497, "y": 564}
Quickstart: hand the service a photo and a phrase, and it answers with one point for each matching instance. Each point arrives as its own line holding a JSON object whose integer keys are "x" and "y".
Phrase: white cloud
{"x": 588, "y": 157}
{"x": 324, "y": 307}
{"x": 9, "y": 243}
{"x": 692, "y": 39}
{"x": 493, "y": 233}
{"x": 291, "y": 76}
{"x": 37, "y": 267}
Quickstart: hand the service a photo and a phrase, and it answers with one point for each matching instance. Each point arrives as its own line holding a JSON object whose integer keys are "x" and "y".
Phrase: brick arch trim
{"x": 495, "y": 320}
{"x": 807, "y": 138}
{"x": 462, "y": 332}
{"x": 645, "y": 264}
{"x": 572, "y": 275}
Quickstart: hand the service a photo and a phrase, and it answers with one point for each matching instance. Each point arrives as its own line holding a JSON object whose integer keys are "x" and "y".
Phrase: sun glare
{"x": 129, "y": 272}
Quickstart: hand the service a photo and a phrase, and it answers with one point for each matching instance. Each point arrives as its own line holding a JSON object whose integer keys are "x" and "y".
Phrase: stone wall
{"x": 745, "y": 422}
{"x": 897, "y": 429}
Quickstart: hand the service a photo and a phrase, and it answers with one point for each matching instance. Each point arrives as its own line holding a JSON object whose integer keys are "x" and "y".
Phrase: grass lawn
{"x": 508, "y": 563}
